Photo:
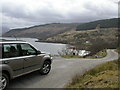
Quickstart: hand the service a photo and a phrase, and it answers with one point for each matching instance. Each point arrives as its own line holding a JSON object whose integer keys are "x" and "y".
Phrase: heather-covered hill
{"x": 96, "y": 39}
{"x": 42, "y": 31}
{"x": 45, "y": 31}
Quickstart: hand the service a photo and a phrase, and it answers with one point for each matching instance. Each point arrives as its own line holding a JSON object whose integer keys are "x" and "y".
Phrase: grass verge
{"x": 102, "y": 76}
{"x": 99, "y": 55}
{"x": 118, "y": 50}
{"x": 71, "y": 56}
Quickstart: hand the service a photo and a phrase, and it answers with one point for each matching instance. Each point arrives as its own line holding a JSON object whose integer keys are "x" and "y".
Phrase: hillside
{"x": 42, "y": 31}
{"x": 45, "y": 31}
{"x": 72, "y": 37}
{"x": 91, "y": 40}
{"x": 107, "y": 23}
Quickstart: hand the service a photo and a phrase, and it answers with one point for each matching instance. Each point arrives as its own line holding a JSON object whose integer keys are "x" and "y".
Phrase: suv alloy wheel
{"x": 45, "y": 68}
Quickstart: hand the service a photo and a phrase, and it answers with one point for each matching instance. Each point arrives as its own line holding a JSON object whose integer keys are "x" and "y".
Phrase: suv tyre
{"x": 45, "y": 68}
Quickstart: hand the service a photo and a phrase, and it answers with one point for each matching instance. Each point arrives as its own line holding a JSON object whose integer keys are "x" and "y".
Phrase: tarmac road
{"x": 61, "y": 74}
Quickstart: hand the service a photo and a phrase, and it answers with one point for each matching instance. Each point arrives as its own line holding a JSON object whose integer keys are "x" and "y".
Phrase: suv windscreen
{"x": 27, "y": 49}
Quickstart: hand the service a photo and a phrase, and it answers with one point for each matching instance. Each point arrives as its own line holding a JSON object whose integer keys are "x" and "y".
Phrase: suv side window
{"x": 10, "y": 50}
{"x": 27, "y": 50}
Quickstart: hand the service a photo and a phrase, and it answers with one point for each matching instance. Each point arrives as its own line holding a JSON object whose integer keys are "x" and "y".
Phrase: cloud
{"x": 21, "y": 13}
{"x": 119, "y": 9}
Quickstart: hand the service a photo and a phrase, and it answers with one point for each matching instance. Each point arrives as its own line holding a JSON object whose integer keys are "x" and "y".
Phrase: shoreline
{"x": 50, "y": 42}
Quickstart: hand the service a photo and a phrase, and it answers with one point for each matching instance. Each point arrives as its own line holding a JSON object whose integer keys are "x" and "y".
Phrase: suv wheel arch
{"x": 7, "y": 73}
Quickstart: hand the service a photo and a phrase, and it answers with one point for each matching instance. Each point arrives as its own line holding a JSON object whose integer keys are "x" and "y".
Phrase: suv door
{"x": 11, "y": 57}
{"x": 31, "y": 59}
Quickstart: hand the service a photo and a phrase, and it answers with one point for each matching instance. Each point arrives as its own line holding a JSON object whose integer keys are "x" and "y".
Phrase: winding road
{"x": 62, "y": 72}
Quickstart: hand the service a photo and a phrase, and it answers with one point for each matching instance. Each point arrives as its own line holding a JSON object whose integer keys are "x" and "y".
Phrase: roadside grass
{"x": 102, "y": 76}
{"x": 71, "y": 56}
{"x": 118, "y": 50}
{"x": 99, "y": 55}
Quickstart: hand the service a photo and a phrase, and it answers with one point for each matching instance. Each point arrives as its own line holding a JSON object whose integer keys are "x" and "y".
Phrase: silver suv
{"x": 18, "y": 58}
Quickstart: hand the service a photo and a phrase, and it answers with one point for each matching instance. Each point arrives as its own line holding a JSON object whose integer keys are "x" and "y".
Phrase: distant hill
{"x": 107, "y": 23}
{"x": 80, "y": 37}
{"x": 4, "y": 30}
{"x": 42, "y": 31}
{"x": 91, "y": 40}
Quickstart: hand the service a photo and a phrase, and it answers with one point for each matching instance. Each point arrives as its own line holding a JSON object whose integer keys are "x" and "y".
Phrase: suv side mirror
{"x": 38, "y": 52}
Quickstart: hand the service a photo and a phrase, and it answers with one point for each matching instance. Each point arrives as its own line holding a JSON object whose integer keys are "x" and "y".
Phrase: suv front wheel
{"x": 45, "y": 68}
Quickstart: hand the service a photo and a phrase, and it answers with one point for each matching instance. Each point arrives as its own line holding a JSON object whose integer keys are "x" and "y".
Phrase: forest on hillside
{"x": 107, "y": 23}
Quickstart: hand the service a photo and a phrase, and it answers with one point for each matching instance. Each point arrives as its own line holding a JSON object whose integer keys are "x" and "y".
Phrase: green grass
{"x": 102, "y": 76}
{"x": 71, "y": 56}
{"x": 99, "y": 55}
{"x": 118, "y": 50}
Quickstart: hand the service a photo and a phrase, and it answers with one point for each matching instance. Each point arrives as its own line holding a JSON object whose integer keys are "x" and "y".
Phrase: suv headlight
{"x": 51, "y": 57}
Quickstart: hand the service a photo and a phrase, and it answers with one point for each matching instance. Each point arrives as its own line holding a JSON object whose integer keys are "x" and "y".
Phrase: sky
{"x": 25, "y": 13}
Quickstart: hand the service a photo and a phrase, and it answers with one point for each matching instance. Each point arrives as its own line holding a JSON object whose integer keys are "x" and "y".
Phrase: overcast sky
{"x": 24, "y": 13}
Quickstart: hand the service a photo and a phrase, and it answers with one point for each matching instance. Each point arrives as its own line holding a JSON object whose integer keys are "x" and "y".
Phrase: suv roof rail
{"x": 11, "y": 40}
